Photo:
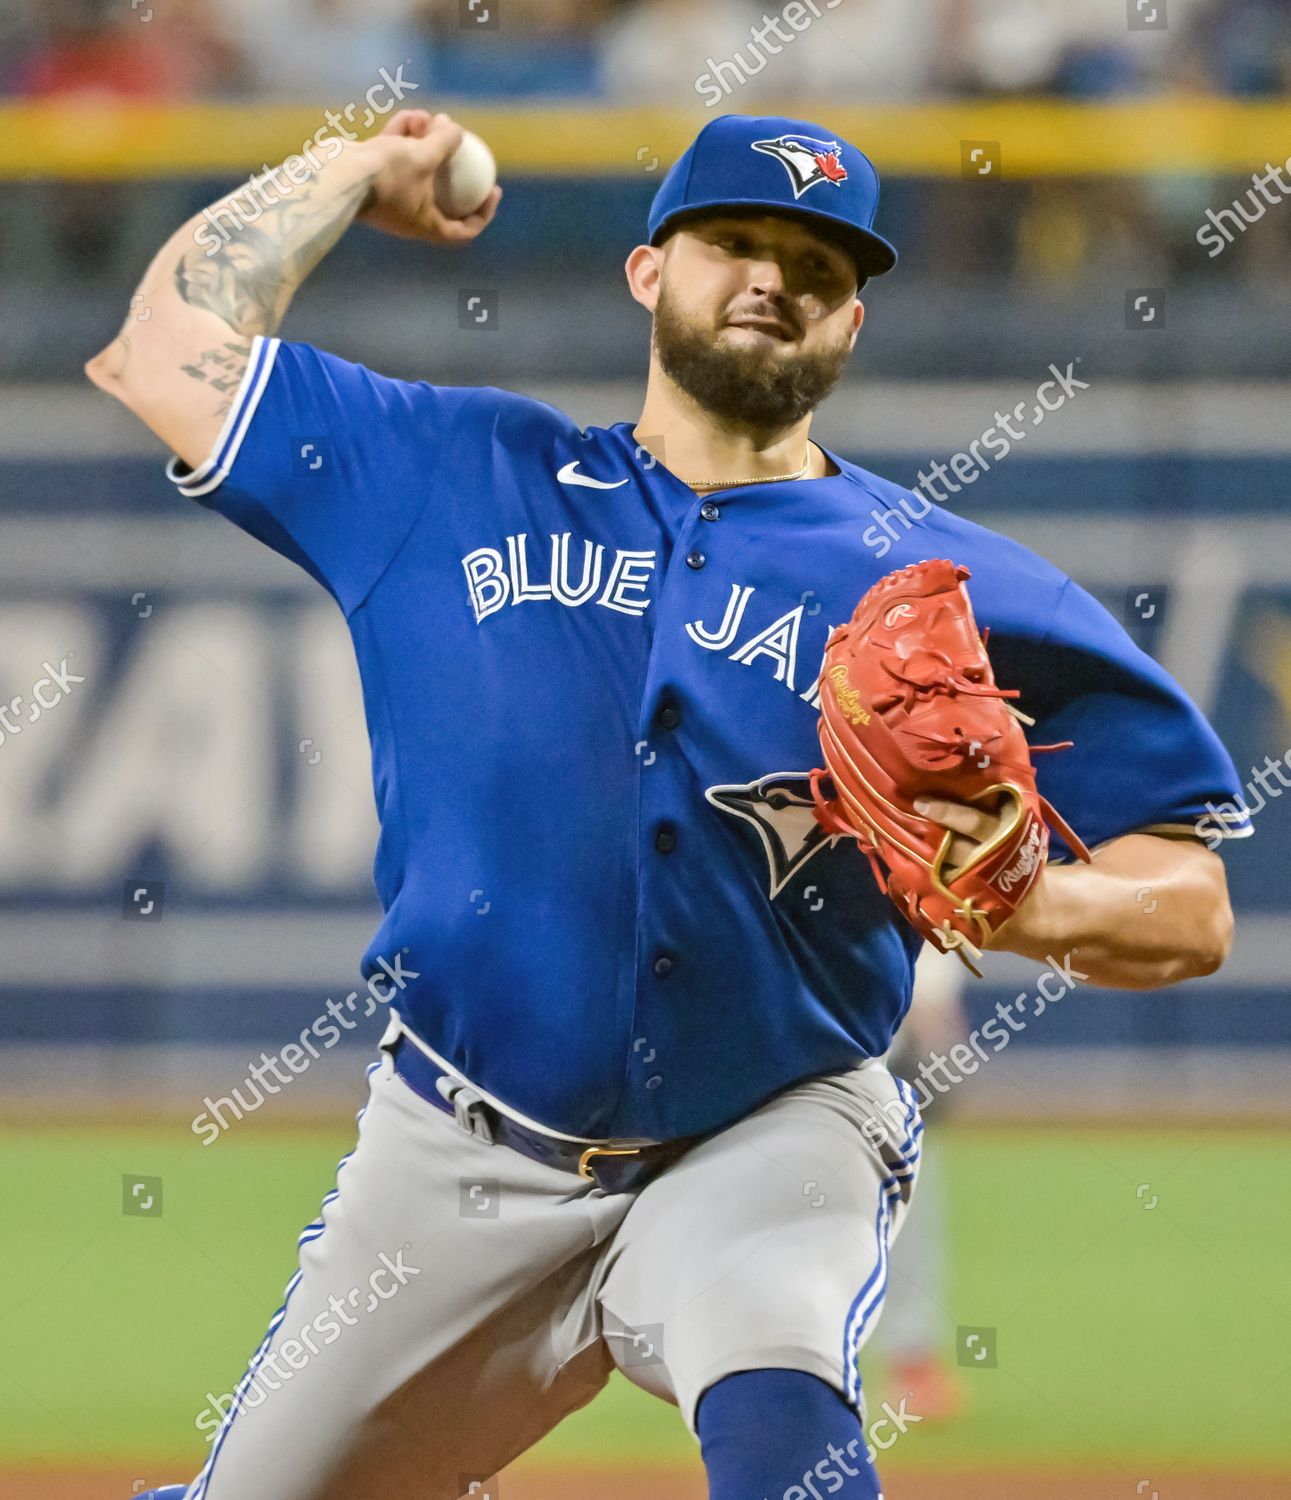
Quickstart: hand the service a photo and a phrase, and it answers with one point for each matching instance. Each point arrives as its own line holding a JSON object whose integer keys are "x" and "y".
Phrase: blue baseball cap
{"x": 777, "y": 165}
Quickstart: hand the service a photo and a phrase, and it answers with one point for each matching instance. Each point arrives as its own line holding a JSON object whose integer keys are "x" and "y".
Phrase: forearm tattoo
{"x": 249, "y": 280}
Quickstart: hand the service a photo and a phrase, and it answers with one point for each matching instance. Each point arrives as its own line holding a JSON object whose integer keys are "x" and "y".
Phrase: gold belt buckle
{"x": 584, "y": 1161}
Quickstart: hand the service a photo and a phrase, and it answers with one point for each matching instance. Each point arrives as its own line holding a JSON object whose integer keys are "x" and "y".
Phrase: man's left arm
{"x": 1146, "y": 912}
{"x": 1146, "y": 783}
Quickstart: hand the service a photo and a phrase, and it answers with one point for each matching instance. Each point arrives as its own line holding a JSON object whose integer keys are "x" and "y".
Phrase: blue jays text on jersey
{"x": 591, "y": 698}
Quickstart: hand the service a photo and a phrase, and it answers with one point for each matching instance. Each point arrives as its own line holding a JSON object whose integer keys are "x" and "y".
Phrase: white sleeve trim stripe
{"x": 1232, "y": 812}
{"x": 215, "y": 470}
{"x": 1227, "y": 822}
{"x": 1197, "y": 830}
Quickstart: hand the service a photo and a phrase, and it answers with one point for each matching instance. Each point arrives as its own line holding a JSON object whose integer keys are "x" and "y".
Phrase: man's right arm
{"x": 184, "y": 348}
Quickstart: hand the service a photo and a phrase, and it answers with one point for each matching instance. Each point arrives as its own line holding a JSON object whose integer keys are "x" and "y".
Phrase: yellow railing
{"x": 1036, "y": 136}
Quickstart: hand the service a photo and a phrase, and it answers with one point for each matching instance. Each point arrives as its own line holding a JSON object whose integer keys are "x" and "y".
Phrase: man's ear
{"x": 644, "y": 270}
{"x": 858, "y": 317}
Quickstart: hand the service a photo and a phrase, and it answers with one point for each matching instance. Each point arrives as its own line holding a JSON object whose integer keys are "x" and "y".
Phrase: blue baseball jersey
{"x": 592, "y": 701}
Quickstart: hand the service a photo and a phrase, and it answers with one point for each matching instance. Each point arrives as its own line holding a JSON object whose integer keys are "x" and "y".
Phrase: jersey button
{"x": 665, "y": 841}
{"x": 670, "y": 716}
{"x": 663, "y": 966}
{"x": 709, "y": 511}
{"x": 695, "y": 559}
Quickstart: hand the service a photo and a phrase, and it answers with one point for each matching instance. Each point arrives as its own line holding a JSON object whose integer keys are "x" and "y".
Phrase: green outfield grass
{"x": 1129, "y": 1330}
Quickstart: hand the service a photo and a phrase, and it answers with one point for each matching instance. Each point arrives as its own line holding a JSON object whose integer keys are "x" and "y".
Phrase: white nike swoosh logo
{"x": 569, "y": 475}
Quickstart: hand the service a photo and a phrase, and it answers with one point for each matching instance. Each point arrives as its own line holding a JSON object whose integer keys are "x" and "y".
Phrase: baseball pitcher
{"x": 636, "y": 1115}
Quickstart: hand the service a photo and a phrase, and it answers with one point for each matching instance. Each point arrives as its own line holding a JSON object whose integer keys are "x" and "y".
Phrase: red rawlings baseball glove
{"x": 910, "y": 708}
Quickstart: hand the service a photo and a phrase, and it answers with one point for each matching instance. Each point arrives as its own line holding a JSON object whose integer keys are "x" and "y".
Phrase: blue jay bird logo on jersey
{"x": 779, "y": 806}
{"x": 807, "y": 160}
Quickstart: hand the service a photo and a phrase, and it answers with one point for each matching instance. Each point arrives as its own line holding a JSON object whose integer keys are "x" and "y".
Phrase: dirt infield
{"x": 529, "y": 1483}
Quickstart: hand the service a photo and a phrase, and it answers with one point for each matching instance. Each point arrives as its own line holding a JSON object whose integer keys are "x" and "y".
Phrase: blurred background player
{"x": 915, "y": 1339}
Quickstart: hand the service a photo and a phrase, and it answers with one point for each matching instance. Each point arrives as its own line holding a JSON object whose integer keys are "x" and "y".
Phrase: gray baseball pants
{"x": 455, "y": 1300}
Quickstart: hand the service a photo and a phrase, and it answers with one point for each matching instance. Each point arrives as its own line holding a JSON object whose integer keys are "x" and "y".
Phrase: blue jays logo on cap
{"x": 807, "y": 160}
{"x": 725, "y": 168}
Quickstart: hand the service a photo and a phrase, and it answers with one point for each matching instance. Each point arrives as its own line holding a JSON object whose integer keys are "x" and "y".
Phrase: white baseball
{"x": 466, "y": 179}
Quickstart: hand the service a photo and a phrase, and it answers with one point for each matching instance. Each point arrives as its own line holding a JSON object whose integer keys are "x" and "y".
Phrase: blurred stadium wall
{"x": 186, "y": 836}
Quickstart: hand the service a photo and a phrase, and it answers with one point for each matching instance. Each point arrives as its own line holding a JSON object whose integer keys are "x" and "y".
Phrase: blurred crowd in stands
{"x": 1055, "y": 238}
{"x": 642, "y": 51}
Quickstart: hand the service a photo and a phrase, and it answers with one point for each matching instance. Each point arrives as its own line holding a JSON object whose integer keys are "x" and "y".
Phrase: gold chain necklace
{"x": 724, "y": 484}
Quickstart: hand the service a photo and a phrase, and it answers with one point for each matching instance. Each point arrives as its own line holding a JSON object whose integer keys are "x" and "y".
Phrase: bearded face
{"x": 761, "y": 349}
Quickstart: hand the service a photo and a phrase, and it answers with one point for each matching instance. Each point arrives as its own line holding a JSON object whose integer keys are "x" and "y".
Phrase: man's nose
{"x": 766, "y": 278}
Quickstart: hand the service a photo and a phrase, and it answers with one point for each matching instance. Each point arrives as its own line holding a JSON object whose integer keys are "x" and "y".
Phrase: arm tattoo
{"x": 222, "y": 369}
{"x": 249, "y": 280}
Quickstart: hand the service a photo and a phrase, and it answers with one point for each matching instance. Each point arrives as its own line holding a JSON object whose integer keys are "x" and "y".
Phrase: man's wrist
{"x": 1045, "y": 917}
{"x": 368, "y": 159}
